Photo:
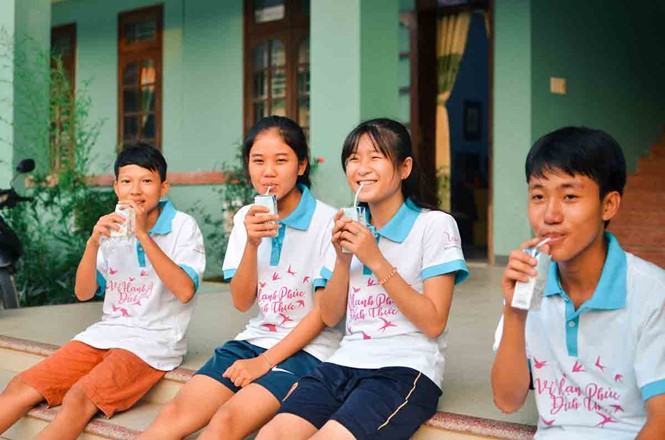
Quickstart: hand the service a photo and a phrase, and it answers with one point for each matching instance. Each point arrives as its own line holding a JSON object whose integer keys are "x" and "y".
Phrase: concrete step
{"x": 17, "y": 354}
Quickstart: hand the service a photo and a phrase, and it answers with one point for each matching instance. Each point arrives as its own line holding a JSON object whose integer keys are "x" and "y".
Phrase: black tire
{"x": 8, "y": 293}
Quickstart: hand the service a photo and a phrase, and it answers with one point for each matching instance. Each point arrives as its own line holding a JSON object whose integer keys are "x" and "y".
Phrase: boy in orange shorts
{"x": 149, "y": 281}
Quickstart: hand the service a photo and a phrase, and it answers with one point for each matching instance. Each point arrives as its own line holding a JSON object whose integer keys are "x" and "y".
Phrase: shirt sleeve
{"x": 102, "y": 272}
{"x": 650, "y": 352}
{"x": 327, "y": 257}
{"x": 442, "y": 249}
{"x": 189, "y": 252}
{"x": 236, "y": 245}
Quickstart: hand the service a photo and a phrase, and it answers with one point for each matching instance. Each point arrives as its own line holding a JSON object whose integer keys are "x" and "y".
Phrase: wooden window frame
{"x": 128, "y": 53}
{"x": 67, "y": 30}
{"x": 291, "y": 31}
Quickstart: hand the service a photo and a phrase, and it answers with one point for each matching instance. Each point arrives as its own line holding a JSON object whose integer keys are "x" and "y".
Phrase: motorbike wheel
{"x": 8, "y": 293}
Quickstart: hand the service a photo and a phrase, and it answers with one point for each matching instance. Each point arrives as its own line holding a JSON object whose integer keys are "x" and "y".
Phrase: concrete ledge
{"x": 442, "y": 421}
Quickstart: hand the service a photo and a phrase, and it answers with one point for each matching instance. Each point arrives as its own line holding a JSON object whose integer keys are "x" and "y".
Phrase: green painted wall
{"x": 18, "y": 92}
{"x": 202, "y": 87}
{"x": 612, "y": 57}
{"x": 511, "y": 121}
{"x": 354, "y": 61}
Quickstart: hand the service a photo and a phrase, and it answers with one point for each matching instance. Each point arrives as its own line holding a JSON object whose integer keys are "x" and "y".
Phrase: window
{"x": 140, "y": 76}
{"x": 63, "y": 47}
{"x": 62, "y": 114}
{"x": 277, "y": 60}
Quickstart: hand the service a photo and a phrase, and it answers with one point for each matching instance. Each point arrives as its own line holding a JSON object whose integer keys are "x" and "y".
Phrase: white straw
{"x": 542, "y": 242}
{"x": 355, "y": 199}
{"x": 268, "y": 190}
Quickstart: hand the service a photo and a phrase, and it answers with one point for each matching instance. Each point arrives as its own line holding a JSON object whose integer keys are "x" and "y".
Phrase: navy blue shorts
{"x": 278, "y": 380}
{"x": 386, "y": 403}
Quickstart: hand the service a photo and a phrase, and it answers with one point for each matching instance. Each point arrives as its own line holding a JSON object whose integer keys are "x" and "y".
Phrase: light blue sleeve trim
{"x": 192, "y": 274}
{"x": 457, "y": 266}
{"x": 653, "y": 389}
{"x": 325, "y": 273}
{"x": 228, "y": 274}
{"x": 320, "y": 282}
{"x": 101, "y": 282}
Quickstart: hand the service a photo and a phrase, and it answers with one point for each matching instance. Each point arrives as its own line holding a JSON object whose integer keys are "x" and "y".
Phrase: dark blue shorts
{"x": 387, "y": 403}
{"x": 278, "y": 380}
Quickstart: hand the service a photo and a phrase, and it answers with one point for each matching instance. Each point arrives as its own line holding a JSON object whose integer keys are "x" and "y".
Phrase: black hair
{"x": 292, "y": 135}
{"x": 143, "y": 155}
{"x": 393, "y": 140}
{"x": 579, "y": 151}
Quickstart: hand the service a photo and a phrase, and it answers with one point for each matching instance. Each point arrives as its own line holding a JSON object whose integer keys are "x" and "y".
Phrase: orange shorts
{"x": 113, "y": 379}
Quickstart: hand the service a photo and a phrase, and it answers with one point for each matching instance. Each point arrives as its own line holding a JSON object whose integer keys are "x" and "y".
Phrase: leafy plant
{"x": 55, "y": 225}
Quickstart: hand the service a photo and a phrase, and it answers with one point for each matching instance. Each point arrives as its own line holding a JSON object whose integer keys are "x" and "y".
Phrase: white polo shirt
{"x": 594, "y": 368}
{"x": 288, "y": 268}
{"x": 141, "y": 314}
{"x": 421, "y": 244}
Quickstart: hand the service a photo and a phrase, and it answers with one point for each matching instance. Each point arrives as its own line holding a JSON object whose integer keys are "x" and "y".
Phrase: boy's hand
{"x": 246, "y": 371}
{"x": 140, "y": 218}
{"x": 259, "y": 223}
{"x": 521, "y": 266}
{"x": 104, "y": 226}
{"x": 341, "y": 223}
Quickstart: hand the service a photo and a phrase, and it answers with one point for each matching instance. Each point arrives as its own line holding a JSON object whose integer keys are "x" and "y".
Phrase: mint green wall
{"x": 202, "y": 87}
{"x": 354, "y": 59}
{"x": 202, "y": 76}
{"x": 612, "y": 57}
{"x": 511, "y": 121}
{"x": 18, "y": 20}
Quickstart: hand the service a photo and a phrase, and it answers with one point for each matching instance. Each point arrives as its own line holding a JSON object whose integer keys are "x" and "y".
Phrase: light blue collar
{"x": 610, "y": 293}
{"x": 398, "y": 228}
{"x": 164, "y": 221}
{"x": 301, "y": 217}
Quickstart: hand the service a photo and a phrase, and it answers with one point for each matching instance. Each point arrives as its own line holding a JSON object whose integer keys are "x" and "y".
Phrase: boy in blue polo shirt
{"x": 595, "y": 351}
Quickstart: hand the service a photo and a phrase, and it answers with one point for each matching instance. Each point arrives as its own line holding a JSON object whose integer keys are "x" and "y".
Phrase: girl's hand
{"x": 259, "y": 223}
{"x": 246, "y": 371}
{"x": 357, "y": 238}
{"x": 521, "y": 266}
{"x": 340, "y": 223}
{"x": 104, "y": 226}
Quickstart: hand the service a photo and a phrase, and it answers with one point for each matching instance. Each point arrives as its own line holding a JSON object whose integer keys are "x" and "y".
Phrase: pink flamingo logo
{"x": 301, "y": 303}
{"x": 290, "y": 271}
{"x": 305, "y": 280}
{"x": 618, "y": 378}
{"x": 616, "y": 407}
{"x": 270, "y": 327}
{"x": 605, "y": 421}
{"x": 275, "y": 276}
{"x": 577, "y": 368}
{"x": 599, "y": 365}
{"x": 285, "y": 319}
{"x": 113, "y": 271}
{"x": 365, "y": 335}
{"x": 371, "y": 282}
{"x": 386, "y": 324}
{"x": 547, "y": 422}
{"x": 539, "y": 364}
{"x": 122, "y": 310}
{"x": 262, "y": 284}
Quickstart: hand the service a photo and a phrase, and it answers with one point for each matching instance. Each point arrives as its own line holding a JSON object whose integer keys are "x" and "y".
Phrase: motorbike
{"x": 11, "y": 248}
